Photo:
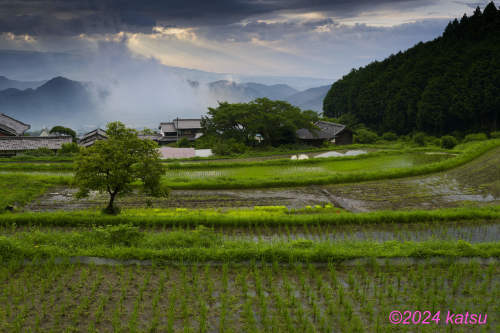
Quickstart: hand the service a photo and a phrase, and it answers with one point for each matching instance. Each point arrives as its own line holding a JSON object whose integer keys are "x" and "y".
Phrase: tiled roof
{"x": 187, "y": 123}
{"x": 19, "y": 143}
{"x": 173, "y": 126}
{"x": 97, "y": 131}
{"x": 7, "y": 129}
{"x": 167, "y": 127}
{"x": 326, "y": 130}
{"x": 18, "y": 126}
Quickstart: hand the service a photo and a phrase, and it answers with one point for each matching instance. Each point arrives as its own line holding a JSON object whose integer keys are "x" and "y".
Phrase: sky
{"x": 313, "y": 38}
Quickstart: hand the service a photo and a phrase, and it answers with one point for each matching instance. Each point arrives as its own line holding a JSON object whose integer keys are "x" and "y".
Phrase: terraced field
{"x": 291, "y": 259}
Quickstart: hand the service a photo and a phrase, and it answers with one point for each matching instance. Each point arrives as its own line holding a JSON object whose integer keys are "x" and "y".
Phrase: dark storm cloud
{"x": 72, "y": 17}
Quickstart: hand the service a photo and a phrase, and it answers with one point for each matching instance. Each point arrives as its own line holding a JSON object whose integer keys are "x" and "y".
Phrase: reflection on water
{"x": 472, "y": 232}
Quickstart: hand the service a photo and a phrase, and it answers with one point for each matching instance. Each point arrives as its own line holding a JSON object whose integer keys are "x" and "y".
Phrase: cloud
{"x": 74, "y": 17}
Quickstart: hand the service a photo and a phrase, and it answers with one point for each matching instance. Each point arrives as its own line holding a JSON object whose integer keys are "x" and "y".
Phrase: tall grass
{"x": 205, "y": 246}
{"x": 18, "y": 189}
{"x": 240, "y": 218}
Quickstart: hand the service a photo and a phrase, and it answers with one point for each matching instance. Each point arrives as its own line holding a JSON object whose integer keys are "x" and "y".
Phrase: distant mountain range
{"x": 310, "y": 99}
{"x": 66, "y": 102}
{"x": 56, "y": 101}
{"x": 34, "y": 65}
{"x": 6, "y": 83}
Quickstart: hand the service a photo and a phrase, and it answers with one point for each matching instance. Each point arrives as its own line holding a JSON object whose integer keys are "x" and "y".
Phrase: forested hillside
{"x": 449, "y": 84}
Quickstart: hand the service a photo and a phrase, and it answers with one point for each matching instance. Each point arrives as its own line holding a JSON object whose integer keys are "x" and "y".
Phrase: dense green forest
{"x": 450, "y": 84}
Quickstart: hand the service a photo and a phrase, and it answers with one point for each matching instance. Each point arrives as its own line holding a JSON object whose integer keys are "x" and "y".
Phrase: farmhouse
{"x": 327, "y": 131}
{"x": 91, "y": 137}
{"x": 180, "y": 128}
{"x": 12, "y": 127}
{"x": 10, "y": 146}
{"x": 13, "y": 141}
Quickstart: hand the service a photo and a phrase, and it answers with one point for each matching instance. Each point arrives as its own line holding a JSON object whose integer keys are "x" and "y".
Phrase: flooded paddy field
{"x": 246, "y": 297}
{"x": 62, "y": 198}
{"x": 476, "y": 231}
{"x": 476, "y": 183}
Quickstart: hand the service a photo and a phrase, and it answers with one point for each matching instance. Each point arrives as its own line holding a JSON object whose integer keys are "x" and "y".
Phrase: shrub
{"x": 475, "y": 137}
{"x": 389, "y": 136}
{"x": 448, "y": 142}
{"x": 199, "y": 237}
{"x": 365, "y": 136}
{"x": 40, "y": 152}
{"x": 69, "y": 148}
{"x": 230, "y": 147}
{"x": 123, "y": 234}
{"x": 183, "y": 143}
{"x": 419, "y": 138}
{"x": 495, "y": 135}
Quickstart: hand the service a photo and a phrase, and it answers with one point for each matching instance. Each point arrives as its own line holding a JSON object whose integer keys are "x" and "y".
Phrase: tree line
{"x": 450, "y": 84}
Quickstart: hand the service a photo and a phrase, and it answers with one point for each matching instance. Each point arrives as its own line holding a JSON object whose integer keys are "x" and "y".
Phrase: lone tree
{"x": 113, "y": 165}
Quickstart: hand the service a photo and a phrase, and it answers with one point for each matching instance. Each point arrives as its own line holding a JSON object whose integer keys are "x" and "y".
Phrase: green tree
{"x": 63, "y": 131}
{"x": 276, "y": 121}
{"x": 183, "y": 143}
{"x": 112, "y": 165}
{"x": 445, "y": 85}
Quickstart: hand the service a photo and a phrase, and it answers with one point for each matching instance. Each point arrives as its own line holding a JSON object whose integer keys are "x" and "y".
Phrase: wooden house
{"x": 180, "y": 128}
{"x": 13, "y": 145}
{"x": 327, "y": 131}
{"x": 12, "y": 127}
{"x": 91, "y": 137}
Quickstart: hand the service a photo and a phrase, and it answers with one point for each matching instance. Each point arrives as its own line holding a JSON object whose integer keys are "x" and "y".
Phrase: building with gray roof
{"x": 12, "y": 127}
{"x": 180, "y": 128}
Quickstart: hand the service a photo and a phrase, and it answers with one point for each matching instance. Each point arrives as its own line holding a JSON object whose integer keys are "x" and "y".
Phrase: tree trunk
{"x": 110, "y": 209}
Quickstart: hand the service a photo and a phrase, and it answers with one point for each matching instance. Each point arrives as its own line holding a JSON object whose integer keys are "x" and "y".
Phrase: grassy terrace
{"x": 261, "y": 269}
{"x": 116, "y": 237}
{"x": 276, "y": 173}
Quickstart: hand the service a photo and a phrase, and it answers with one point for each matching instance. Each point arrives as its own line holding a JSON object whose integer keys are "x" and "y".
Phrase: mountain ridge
{"x": 448, "y": 85}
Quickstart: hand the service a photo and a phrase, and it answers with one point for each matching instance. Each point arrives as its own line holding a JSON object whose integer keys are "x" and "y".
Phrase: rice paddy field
{"x": 231, "y": 252}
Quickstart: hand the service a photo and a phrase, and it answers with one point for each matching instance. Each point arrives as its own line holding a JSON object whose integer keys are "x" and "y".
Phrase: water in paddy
{"x": 473, "y": 232}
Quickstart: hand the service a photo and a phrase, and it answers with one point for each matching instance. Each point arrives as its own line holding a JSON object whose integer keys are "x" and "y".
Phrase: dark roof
{"x": 173, "y": 126}
{"x": 187, "y": 123}
{"x": 326, "y": 131}
{"x": 97, "y": 131}
{"x": 19, "y": 143}
{"x": 12, "y": 124}
{"x": 7, "y": 129}
{"x": 167, "y": 127}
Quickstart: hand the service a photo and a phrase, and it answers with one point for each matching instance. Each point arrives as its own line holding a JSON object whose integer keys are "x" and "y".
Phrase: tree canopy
{"x": 449, "y": 84}
{"x": 112, "y": 165}
{"x": 274, "y": 121}
{"x": 63, "y": 130}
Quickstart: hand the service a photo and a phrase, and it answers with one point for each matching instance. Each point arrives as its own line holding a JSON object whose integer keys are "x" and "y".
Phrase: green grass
{"x": 146, "y": 218}
{"x": 18, "y": 189}
{"x": 202, "y": 245}
{"x": 381, "y": 165}
{"x": 329, "y": 172}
